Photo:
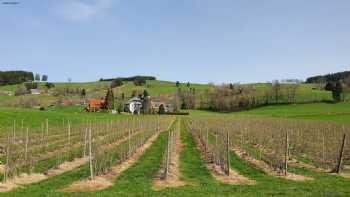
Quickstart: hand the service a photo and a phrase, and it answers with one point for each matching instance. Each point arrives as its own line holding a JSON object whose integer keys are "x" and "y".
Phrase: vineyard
{"x": 277, "y": 142}
{"x": 163, "y": 155}
{"x": 101, "y": 143}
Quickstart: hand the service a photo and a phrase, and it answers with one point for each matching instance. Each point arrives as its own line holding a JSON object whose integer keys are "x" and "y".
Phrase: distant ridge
{"x": 334, "y": 77}
{"x": 131, "y": 78}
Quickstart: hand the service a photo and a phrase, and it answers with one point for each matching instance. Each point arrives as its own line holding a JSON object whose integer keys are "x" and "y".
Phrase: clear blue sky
{"x": 187, "y": 40}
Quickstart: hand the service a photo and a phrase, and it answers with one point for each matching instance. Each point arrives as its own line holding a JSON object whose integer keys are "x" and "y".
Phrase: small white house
{"x": 134, "y": 105}
{"x": 35, "y": 91}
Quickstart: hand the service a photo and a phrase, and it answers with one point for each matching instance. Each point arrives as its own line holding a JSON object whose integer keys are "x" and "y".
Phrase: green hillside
{"x": 304, "y": 94}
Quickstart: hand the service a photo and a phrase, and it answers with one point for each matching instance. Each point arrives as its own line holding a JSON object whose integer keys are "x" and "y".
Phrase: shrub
{"x": 31, "y": 85}
{"x": 116, "y": 83}
{"x": 27, "y": 102}
{"x": 139, "y": 81}
{"x": 21, "y": 91}
{"x": 49, "y": 85}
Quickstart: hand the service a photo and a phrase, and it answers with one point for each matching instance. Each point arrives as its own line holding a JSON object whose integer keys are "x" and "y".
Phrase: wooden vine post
{"x": 42, "y": 132}
{"x": 47, "y": 132}
{"x": 323, "y": 149}
{"x": 216, "y": 149}
{"x": 69, "y": 132}
{"x": 26, "y": 147}
{"x": 90, "y": 156}
{"x": 85, "y": 141}
{"x": 22, "y": 128}
{"x": 129, "y": 143}
{"x": 286, "y": 155}
{"x": 47, "y": 127}
{"x": 167, "y": 157}
{"x": 7, "y": 168}
{"x": 206, "y": 144}
{"x": 14, "y": 131}
{"x": 341, "y": 152}
{"x": 228, "y": 153}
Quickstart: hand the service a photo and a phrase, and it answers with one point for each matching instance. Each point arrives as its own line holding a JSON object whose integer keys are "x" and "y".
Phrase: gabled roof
{"x": 134, "y": 99}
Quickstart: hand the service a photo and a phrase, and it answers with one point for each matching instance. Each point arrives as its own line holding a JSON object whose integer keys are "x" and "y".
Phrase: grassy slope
{"x": 33, "y": 118}
{"x": 155, "y": 88}
{"x": 319, "y": 111}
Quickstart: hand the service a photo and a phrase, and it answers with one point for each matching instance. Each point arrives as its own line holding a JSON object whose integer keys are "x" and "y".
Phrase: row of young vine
{"x": 29, "y": 150}
{"x": 277, "y": 141}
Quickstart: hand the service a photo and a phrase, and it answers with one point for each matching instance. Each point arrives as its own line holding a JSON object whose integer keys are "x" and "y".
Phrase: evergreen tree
{"x": 116, "y": 83}
{"x": 83, "y": 93}
{"x": 177, "y": 83}
{"x": 146, "y": 105}
{"x": 145, "y": 94}
{"x": 329, "y": 86}
{"x": 37, "y": 77}
{"x": 231, "y": 86}
{"x": 161, "y": 109}
{"x": 49, "y": 85}
{"x": 138, "y": 81}
{"x": 44, "y": 78}
{"x": 338, "y": 91}
{"x": 109, "y": 99}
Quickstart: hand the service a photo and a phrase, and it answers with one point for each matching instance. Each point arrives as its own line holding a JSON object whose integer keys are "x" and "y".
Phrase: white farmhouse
{"x": 134, "y": 105}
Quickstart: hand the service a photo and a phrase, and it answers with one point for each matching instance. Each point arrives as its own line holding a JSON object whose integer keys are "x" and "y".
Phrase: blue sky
{"x": 188, "y": 40}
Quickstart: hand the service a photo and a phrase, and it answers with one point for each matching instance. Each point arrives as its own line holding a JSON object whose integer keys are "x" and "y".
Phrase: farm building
{"x": 35, "y": 91}
{"x": 96, "y": 105}
{"x": 134, "y": 105}
{"x": 156, "y": 102}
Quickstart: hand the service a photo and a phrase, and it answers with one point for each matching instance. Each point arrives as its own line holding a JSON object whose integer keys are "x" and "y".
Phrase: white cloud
{"x": 79, "y": 10}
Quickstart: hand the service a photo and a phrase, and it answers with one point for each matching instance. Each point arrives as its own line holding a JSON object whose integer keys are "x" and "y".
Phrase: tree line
{"x": 137, "y": 77}
{"x": 333, "y": 77}
{"x": 236, "y": 97}
{"x": 15, "y": 77}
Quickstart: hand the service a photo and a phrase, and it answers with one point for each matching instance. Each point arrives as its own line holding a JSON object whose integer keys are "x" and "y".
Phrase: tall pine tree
{"x": 110, "y": 99}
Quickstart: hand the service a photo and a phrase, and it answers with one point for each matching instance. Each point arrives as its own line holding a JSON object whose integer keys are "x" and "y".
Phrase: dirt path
{"x": 174, "y": 176}
{"x": 26, "y": 179}
{"x": 234, "y": 178}
{"x": 107, "y": 180}
{"x": 267, "y": 169}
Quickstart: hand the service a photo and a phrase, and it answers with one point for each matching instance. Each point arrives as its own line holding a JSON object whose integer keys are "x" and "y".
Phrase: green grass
{"x": 318, "y": 111}
{"x": 33, "y": 118}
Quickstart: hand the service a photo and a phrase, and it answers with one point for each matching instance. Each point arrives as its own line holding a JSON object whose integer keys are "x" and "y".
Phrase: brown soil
{"x": 346, "y": 172}
{"x": 26, "y": 179}
{"x": 267, "y": 169}
{"x": 300, "y": 164}
{"x": 8, "y": 186}
{"x": 67, "y": 166}
{"x": 2, "y": 168}
{"x": 174, "y": 176}
{"x": 107, "y": 180}
{"x": 88, "y": 185}
{"x": 234, "y": 178}
{"x": 345, "y": 175}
